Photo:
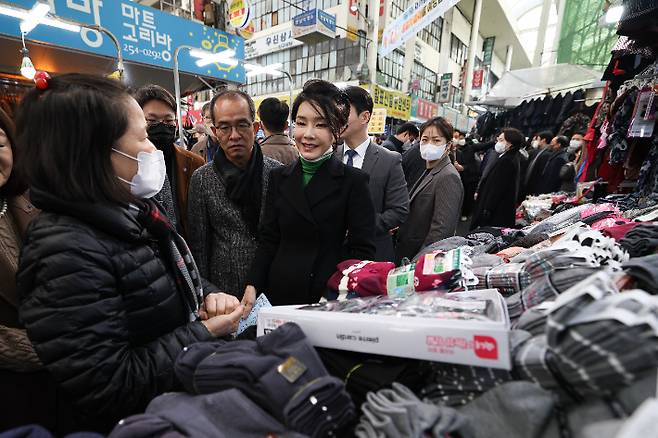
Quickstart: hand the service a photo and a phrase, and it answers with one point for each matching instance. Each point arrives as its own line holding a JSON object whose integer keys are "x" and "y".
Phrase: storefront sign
{"x": 424, "y": 109}
{"x": 275, "y": 42}
{"x": 418, "y": 15}
{"x": 248, "y": 31}
{"x": 239, "y": 13}
{"x": 377, "y": 124}
{"x": 446, "y": 84}
{"x": 487, "y": 49}
{"x": 478, "y": 76}
{"x": 314, "y": 26}
{"x": 146, "y": 35}
{"x": 397, "y": 104}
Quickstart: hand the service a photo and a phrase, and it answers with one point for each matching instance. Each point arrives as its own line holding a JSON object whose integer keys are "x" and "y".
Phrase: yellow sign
{"x": 248, "y": 31}
{"x": 377, "y": 124}
{"x": 397, "y": 104}
{"x": 285, "y": 99}
{"x": 238, "y": 13}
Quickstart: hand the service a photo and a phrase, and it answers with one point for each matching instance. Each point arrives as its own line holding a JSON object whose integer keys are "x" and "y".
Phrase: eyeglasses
{"x": 227, "y": 128}
{"x": 167, "y": 121}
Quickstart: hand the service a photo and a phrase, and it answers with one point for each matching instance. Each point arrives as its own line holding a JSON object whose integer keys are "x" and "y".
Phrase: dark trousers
{"x": 468, "y": 205}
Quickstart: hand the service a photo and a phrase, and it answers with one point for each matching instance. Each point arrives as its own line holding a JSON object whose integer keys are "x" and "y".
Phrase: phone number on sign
{"x": 154, "y": 54}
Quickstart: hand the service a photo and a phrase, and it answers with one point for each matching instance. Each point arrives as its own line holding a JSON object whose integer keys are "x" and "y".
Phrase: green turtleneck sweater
{"x": 310, "y": 167}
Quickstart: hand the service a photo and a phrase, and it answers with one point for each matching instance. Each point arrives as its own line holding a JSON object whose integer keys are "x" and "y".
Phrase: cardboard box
{"x": 474, "y": 343}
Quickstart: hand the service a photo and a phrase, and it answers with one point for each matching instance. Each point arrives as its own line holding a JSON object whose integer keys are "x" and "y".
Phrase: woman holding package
{"x": 435, "y": 200}
{"x": 318, "y": 211}
{"x": 109, "y": 292}
{"x": 496, "y": 199}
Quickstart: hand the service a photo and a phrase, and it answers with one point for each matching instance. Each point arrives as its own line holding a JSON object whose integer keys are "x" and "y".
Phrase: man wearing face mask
{"x": 497, "y": 195}
{"x": 468, "y": 167}
{"x": 159, "y": 108}
{"x": 436, "y": 198}
{"x": 550, "y": 178}
{"x": 405, "y": 135}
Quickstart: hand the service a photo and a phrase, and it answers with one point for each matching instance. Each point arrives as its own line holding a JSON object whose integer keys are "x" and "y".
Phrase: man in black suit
{"x": 550, "y": 178}
{"x": 541, "y": 144}
{"x": 388, "y": 187}
{"x": 407, "y": 133}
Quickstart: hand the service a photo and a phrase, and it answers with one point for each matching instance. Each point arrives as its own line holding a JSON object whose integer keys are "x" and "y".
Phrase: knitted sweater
{"x": 220, "y": 240}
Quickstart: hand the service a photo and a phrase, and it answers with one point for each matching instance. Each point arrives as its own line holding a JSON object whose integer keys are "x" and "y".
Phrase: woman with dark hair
{"x": 21, "y": 372}
{"x": 497, "y": 195}
{"x": 319, "y": 211}
{"x": 109, "y": 291}
{"x": 435, "y": 200}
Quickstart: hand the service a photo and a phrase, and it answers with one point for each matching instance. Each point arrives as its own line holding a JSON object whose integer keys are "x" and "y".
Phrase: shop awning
{"x": 529, "y": 83}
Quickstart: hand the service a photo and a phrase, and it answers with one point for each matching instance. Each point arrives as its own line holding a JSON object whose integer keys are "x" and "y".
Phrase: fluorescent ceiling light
{"x": 272, "y": 70}
{"x": 34, "y": 17}
{"x": 48, "y": 21}
{"x": 60, "y": 24}
{"x": 614, "y": 14}
{"x": 206, "y": 58}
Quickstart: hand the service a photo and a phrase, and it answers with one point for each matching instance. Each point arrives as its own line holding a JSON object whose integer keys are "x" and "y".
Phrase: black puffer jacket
{"x": 101, "y": 308}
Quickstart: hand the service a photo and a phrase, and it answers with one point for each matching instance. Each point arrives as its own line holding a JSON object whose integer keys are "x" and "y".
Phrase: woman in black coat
{"x": 497, "y": 194}
{"x": 318, "y": 210}
{"x": 109, "y": 292}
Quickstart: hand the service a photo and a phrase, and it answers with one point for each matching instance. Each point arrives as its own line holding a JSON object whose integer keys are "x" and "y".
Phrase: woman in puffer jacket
{"x": 110, "y": 294}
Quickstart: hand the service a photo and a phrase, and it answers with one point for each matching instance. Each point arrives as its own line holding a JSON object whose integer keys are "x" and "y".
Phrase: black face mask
{"x": 162, "y": 135}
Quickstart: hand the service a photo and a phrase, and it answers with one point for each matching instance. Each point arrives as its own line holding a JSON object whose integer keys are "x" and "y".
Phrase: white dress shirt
{"x": 357, "y": 161}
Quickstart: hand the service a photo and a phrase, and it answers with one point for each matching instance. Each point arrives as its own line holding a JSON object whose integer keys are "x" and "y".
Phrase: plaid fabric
{"x": 508, "y": 278}
{"x": 559, "y": 220}
{"x": 533, "y": 321}
{"x": 552, "y": 284}
{"x": 566, "y": 257}
{"x": 610, "y": 344}
{"x": 185, "y": 270}
{"x": 531, "y": 362}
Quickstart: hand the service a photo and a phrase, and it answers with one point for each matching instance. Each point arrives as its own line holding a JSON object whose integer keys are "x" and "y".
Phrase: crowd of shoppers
{"x": 137, "y": 247}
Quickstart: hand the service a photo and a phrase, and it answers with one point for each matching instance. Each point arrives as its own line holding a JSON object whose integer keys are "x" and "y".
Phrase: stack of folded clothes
{"x": 280, "y": 371}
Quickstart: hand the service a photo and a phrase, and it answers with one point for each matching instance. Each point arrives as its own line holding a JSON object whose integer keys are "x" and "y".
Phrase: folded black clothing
{"x": 320, "y": 408}
{"x": 530, "y": 240}
{"x": 363, "y": 373}
{"x": 589, "y": 220}
{"x": 645, "y": 272}
{"x": 225, "y": 414}
{"x": 641, "y": 240}
{"x": 269, "y": 370}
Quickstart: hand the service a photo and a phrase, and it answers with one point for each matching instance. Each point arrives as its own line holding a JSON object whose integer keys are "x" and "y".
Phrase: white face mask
{"x": 575, "y": 144}
{"x": 461, "y": 142}
{"x": 151, "y": 172}
{"x": 432, "y": 152}
{"x": 500, "y": 147}
{"x": 535, "y": 144}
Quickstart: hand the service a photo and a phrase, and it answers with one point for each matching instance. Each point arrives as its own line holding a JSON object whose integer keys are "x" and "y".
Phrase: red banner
{"x": 478, "y": 76}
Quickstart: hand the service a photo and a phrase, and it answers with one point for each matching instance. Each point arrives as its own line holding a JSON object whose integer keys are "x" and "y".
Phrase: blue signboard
{"x": 146, "y": 35}
{"x": 327, "y": 19}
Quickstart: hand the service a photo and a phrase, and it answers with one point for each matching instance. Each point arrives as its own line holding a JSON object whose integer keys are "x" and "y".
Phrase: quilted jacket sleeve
{"x": 73, "y": 310}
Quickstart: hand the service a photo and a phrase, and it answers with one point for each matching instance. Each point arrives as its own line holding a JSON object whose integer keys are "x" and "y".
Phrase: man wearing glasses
{"x": 227, "y": 195}
{"x": 159, "y": 108}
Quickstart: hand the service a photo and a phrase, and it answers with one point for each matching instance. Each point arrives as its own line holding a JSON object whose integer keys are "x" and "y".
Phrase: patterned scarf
{"x": 185, "y": 270}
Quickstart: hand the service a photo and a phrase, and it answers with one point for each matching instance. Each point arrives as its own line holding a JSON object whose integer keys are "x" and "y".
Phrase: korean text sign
{"x": 146, "y": 35}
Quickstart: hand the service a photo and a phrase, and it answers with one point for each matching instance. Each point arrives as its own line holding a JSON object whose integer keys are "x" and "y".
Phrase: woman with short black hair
{"x": 497, "y": 195}
{"x": 319, "y": 211}
{"x": 109, "y": 291}
{"x": 435, "y": 200}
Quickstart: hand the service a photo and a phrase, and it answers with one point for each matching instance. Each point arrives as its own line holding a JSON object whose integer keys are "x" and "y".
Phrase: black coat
{"x": 534, "y": 173}
{"x": 101, "y": 307}
{"x": 550, "y": 179}
{"x": 496, "y": 203}
{"x": 303, "y": 236}
{"x": 413, "y": 165}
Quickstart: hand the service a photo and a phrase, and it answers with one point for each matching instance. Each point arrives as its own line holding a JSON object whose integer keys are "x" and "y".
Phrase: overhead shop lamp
{"x": 39, "y": 14}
